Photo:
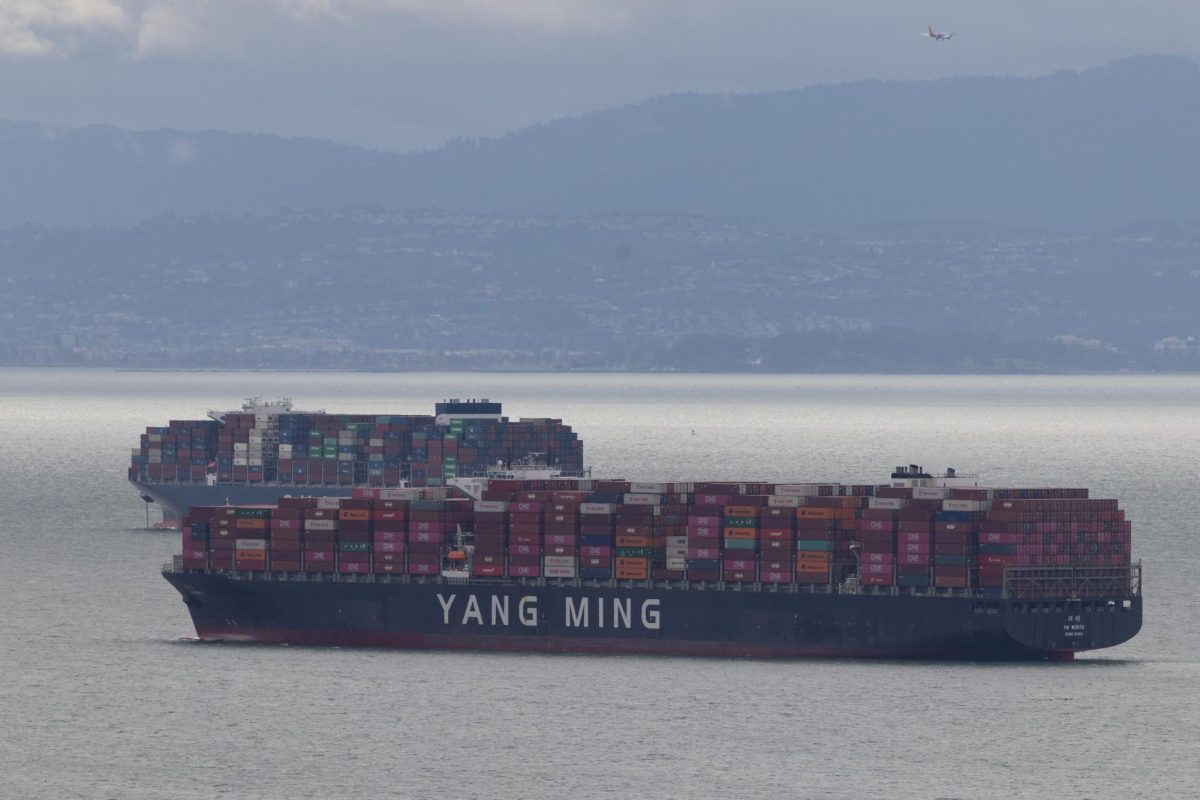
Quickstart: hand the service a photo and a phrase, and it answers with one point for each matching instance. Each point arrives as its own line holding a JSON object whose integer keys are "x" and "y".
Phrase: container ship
{"x": 267, "y": 450}
{"x": 919, "y": 567}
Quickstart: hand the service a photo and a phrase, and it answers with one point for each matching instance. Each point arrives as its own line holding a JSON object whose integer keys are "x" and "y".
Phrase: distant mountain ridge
{"x": 1102, "y": 147}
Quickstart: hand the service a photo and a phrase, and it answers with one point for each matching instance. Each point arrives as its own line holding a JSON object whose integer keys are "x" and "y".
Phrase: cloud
{"x": 44, "y": 27}
{"x": 551, "y": 15}
{"x": 166, "y": 27}
{"x": 169, "y": 28}
{"x": 181, "y": 151}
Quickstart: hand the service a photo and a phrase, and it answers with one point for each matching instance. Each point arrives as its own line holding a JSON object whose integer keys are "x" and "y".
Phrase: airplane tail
{"x": 931, "y": 33}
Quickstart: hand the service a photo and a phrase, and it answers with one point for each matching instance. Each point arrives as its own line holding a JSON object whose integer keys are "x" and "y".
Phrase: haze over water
{"x": 105, "y": 696}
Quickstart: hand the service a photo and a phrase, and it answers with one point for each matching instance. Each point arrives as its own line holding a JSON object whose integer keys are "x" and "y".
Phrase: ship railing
{"x": 1022, "y": 583}
{"x": 1072, "y": 582}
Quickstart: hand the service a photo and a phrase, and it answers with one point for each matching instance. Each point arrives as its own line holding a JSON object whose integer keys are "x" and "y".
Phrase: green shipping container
{"x": 810, "y": 544}
{"x": 741, "y": 544}
{"x": 354, "y": 547}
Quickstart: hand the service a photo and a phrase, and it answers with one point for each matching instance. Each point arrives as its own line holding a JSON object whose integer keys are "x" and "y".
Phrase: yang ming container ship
{"x": 919, "y": 567}
{"x": 267, "y": 450}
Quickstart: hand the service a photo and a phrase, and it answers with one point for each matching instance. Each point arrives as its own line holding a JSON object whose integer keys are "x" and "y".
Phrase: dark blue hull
{"x": 630, "y": 617}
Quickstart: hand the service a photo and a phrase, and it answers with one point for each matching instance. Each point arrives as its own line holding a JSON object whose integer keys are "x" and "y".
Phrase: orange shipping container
{"x": 741, "y": 511}
{"x": 354, "y": 513}
{"x": 251, "y": 523}
{"x": 812, "y": 567}
{"x": 740, "y": 533}
{"x": 635, "y": 541}
{"x": 816, "y": 513}
{"x": 631, "y": 574}
{"x": 816, "y": 556}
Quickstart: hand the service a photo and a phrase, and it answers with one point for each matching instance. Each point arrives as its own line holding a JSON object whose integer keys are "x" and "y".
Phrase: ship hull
{"x": 633, "y": 619}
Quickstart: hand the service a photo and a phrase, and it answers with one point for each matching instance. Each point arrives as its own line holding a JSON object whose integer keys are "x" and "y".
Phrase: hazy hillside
{"x": 1107, "y": 146}
{"x": 363, "y": 288}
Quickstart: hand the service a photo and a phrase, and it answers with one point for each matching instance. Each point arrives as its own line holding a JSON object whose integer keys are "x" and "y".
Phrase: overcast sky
{"x": 408, "y": 74}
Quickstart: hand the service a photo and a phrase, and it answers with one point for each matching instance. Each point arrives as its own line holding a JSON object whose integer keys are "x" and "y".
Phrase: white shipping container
{"x": 677, "y": 552}
{"x": 285, "y": 448}
{"x": 894, "y": 503}
{"x": 676, "y": 563}
{"x": 154, "y": 456}
{"x": 329, "y": 503}
{"x": 676, "y": 541}
{"x": 375, "y": 442}
{"x": 783, "y": 501}
{"x": 241, "y": 461}
{"x": 965, "y": 505}
{"x": 559, "y": 572}
{"x": 490, "y": 505}
{"x": 320, "y": 524}
{"x": 250, "y": 544}
{"x": 240, "y": 447}
{"x": 345, "y": 456}
{"x": 596, "y": 508}
{"x": 798, "y": 489}
{"x": 633, "y": 499}
{"x": 400, "y": 494}
{"x": 559, "y": 561}
{"x": 154, "y": 437}
{"x": 254, "y": 462}
{"x": 930, "y": 493}
{"x": 648, "y": 488}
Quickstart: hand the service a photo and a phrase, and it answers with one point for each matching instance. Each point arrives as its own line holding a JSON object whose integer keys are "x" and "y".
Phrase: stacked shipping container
{"x": 820, "y": 534}
{"x": 346, "y": 449}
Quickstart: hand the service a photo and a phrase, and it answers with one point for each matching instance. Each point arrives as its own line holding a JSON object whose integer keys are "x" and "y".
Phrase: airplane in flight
{"x": 938, "y": 37}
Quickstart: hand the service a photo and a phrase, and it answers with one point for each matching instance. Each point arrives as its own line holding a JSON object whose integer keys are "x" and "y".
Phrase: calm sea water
{"x": 104, "y": 696}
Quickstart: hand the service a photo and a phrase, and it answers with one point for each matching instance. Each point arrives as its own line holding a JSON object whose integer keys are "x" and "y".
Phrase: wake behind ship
{"x": 920, "y": 567}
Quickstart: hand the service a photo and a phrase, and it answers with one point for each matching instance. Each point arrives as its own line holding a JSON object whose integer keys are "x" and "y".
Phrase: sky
{"x": 410, "y": 74}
